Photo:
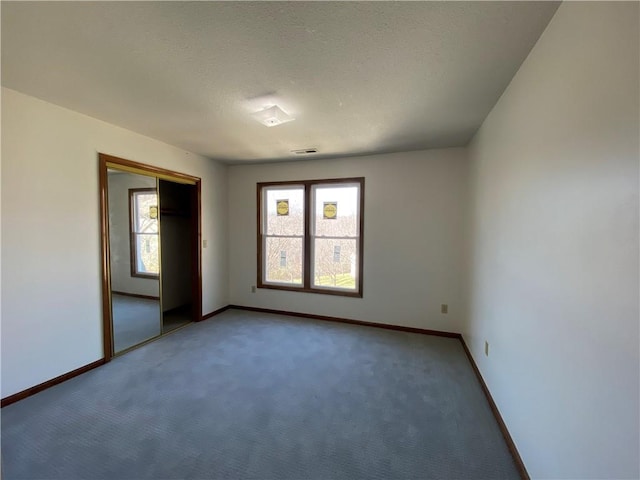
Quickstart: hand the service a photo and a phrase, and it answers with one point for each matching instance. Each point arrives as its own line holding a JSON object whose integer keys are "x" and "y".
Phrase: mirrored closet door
{"x": 152, "y": 280}
{"x": 134, "y": 241}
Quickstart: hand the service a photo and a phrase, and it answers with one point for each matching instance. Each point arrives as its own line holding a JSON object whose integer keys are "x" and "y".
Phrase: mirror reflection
{"x": 134, "y": 258}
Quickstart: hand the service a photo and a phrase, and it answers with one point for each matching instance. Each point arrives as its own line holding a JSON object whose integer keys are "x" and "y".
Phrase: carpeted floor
{"x": 135, "y": 320}
{"x": 256, "y": 396}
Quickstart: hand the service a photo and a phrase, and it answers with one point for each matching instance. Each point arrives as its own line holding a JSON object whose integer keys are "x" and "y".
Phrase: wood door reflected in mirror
{"x": 134, "y": 258}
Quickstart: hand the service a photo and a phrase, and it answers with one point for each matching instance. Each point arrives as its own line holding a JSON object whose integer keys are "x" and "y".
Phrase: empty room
{"x": 320, "y": 240}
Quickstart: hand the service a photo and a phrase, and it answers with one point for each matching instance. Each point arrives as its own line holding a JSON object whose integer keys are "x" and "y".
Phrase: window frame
{"x": 133, "y": 244}
{"x": 307, "y": 285}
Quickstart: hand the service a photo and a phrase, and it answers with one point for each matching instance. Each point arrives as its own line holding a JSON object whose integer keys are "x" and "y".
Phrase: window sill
{"x": 321, "y": 291}
{"x": 149, "y": 276}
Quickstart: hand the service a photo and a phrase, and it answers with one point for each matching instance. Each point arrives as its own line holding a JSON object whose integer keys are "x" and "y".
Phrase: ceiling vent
{"x": 272, "y": 116}
{"x": 304, "y": 151}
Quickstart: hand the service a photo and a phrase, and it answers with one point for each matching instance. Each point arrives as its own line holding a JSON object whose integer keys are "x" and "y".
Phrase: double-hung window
{"x": 143, "y": 221}
{"x": 310, "y": 236}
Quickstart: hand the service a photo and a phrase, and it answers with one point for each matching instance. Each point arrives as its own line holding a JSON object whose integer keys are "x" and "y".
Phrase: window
{"x": 143, "y": 216}
{"x": 310, "y": 236}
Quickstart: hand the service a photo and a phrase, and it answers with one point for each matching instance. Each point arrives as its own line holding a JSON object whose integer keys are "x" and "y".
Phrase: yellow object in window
{"x": 282, "y": 207}
{"x": 330, "y": 210}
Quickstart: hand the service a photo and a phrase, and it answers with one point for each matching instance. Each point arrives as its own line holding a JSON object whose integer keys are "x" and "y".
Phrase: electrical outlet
{"x": 444, "y": 308}
{"x": 253, "y": 289}
{"x": 486, "y": 348}
{"x": 204, "y": 244}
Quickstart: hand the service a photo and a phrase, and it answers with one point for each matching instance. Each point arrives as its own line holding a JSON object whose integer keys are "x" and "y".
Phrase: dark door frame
{"x": 196, "y": 238}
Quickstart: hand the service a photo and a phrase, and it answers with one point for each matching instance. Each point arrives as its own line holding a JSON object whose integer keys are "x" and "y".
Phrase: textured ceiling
{"x": 361, "y": 77}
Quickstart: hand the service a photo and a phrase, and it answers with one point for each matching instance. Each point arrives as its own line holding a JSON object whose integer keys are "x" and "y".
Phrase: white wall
{"x": 554, "y": 258}
{"x": 119, "y": 238}
{"x": 415, "y": 208}
{"x": 51, "y": 271}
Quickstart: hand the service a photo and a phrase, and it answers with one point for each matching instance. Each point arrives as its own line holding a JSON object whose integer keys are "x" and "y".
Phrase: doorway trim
{"x": 105, "y": 161}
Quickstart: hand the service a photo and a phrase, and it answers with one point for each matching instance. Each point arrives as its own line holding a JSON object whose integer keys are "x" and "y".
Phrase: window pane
{"x": 335, "y": 263}
{"x": 284, "y": 211}
{"x": 146, "y": 210}
{"x": 336, "y": 211}
{"x": 147, "y": 253}
{"x": 283, "y": 260}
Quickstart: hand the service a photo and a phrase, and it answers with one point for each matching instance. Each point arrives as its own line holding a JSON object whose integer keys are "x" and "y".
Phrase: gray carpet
{"x": 135, "y": 320}
{"x": 255, "y": 396}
